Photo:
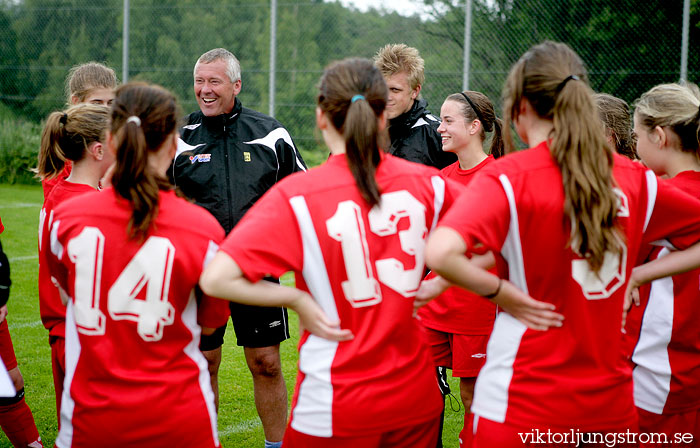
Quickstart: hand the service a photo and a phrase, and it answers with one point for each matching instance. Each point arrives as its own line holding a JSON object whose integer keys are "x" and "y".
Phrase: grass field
{"x": 239, "y": 425}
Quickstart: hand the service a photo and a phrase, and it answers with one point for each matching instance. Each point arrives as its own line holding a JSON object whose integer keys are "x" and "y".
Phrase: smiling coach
{"x": 228, "y": 157}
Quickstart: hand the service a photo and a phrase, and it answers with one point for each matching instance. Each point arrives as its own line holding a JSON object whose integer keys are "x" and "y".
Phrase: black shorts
{"x": 255, "y": 327}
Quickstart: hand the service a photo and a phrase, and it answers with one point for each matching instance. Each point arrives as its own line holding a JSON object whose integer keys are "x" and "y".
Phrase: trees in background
{"x": 628, "y": 46}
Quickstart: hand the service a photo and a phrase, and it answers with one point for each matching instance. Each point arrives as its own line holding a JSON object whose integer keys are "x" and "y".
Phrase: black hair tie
{"x": 563, "y": 83}
{"x": 63, "y": 119}
{"x": 476, "y": 111}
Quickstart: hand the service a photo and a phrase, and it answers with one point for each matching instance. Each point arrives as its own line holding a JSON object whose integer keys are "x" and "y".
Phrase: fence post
{"x": 684, "y": 44}
{"x": 467, "y": 42}
{"x": 273, "y": 55}
{"x": 125, "y": 44}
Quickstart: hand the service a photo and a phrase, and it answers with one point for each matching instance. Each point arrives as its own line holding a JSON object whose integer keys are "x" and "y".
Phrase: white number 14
{"x": 149, "y": 268}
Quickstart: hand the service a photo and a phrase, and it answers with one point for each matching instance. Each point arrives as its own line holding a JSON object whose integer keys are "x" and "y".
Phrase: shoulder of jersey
{"x": 405, "y": 167}
{"x": 81, "y": 204}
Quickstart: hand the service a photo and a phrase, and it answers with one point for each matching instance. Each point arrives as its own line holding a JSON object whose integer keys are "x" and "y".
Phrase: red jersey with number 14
{"x": 134, "y": 372}
{"x": 362, "y": 266}
{"x": 574, "y": 374}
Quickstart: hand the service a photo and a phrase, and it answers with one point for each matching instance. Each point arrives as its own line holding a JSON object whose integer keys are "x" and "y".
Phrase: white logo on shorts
{"x": 277, "y": 323}
{"x": 479, "y": 355}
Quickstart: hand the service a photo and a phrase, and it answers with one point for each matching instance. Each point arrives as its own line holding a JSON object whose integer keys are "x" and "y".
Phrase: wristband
{"x": 495, "y": 293}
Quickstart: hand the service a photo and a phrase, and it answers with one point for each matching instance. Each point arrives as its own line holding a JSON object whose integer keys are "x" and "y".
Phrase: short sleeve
{"x": 453, "y": 190}
{"x": 675, "y": 216}
{"x": 56, "y": 253}
{"x": 267, "y": 241}
{"x": 212, "y": 312}
{"x": 480, "y": 214}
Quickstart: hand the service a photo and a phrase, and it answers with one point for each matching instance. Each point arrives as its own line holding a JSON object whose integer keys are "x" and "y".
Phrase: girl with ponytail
{"x": 663, "y": 332}
{"x": 91, "y": 83}
{"x": 458, "y": 322}
{"x": 353, "y": 231}
{"x": 73, "y": 135}
{"x": 568, "y": 217}
{"x": 129, "y": 259}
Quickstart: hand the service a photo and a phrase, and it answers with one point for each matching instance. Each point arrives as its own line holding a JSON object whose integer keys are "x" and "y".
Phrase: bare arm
{"x": 224, "y": 279}
{"x": 445, "y": 254}
{"x": 674, "y": 263}
{"x": 433, "y": 287}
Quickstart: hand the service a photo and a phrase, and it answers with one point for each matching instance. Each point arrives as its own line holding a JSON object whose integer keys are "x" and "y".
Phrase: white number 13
{"x": 347, "y": 226}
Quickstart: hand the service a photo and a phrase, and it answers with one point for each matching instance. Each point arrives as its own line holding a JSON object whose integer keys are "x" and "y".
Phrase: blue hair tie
{"x": 357, "y": 97}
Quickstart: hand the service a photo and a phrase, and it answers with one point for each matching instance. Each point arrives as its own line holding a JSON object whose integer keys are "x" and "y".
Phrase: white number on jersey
{"x": 151, "y": 268}
{"x": 612, "y": 274}
{"x": 86, "y": 251}
{"x": 347, "y": 226}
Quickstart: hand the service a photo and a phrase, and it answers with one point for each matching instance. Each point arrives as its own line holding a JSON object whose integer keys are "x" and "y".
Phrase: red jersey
{"x": 49, "y": 184}
{"x": 134, "y": 372}
{"x": 667, "y": 351}
{"x": 457, "y": 310}
{"x": 52, "y": 309}
{"x": 363, "y": 266}
{"x": 572, "y": 374}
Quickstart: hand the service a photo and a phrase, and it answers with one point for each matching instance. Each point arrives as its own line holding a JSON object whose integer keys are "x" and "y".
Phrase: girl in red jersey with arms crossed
{"x": 568, "y": 217}
{"x": 71, "y": 135}
{"x": 664, "y": 331}
{"x": 353, "y": 231}
{"x": 129, "y": 259}
{"x": 458, "y": 323}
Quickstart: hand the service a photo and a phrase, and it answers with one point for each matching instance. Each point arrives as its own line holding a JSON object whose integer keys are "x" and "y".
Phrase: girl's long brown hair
{"x": 553, "y": 79}
{"x": 155, "y": 116}
{"x": 67, "y": 135}
{"x": 357, "y": 120}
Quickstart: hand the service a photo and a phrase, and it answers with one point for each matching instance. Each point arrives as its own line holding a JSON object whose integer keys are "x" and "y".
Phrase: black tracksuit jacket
{"x": 226, "y": 163}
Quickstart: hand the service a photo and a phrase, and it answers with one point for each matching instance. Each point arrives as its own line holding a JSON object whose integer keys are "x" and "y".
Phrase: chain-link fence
{"x": 628, "y": 45}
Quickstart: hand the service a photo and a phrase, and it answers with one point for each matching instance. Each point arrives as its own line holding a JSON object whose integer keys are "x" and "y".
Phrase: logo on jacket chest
{"x": 246, "y": 156}
{"x": 200, "y": 158}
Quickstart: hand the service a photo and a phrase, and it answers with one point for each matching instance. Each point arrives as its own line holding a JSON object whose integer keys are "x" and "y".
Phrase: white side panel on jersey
{"x": 438, "y": 200}
{"x": 652, "y": 376}
{"x": 652, "y": 188}
{"x": 65, "y": 435}
{"x": 493, "y": 382}
{"x": 189, "y": 318}
{"x": 313, "y": 413}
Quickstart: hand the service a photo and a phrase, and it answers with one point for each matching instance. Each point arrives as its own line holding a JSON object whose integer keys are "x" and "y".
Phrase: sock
{"x": 269, "y": 444}
{"x": 17, "y": 422}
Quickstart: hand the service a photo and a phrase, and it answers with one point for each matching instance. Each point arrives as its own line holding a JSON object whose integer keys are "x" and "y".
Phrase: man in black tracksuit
{"x": 228, "y": 157}
{"x": 412, "y": 128}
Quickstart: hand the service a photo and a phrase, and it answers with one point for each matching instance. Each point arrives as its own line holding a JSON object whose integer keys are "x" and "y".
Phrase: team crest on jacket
{"x": 246, "y": 156}
{"x": 200, "y": 158}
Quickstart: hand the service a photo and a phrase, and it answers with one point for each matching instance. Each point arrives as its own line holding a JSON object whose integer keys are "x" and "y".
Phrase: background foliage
{"x": 628, "y": 46}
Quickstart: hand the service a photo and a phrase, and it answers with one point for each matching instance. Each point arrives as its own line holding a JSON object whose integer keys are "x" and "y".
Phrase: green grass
{"x": 239, "y": 425}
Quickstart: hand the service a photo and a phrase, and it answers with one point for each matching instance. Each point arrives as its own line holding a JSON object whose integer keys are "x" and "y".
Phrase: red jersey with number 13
{"x": 363, "y": 266}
